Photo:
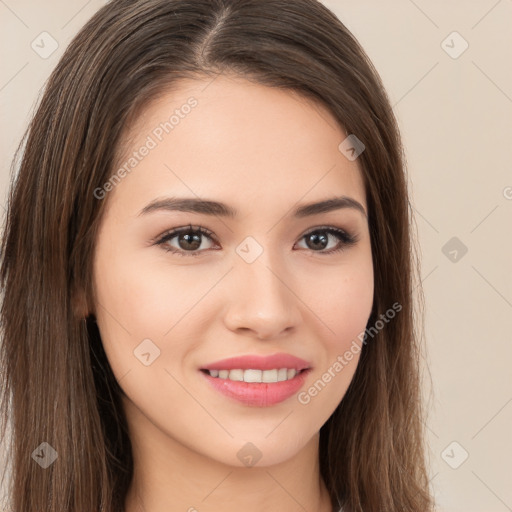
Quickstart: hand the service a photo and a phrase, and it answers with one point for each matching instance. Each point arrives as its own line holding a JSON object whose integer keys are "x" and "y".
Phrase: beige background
{"x": 455, "y": 113}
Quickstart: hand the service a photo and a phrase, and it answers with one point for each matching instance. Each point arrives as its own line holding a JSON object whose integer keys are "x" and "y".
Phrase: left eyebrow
{"x": 208, "y": 207}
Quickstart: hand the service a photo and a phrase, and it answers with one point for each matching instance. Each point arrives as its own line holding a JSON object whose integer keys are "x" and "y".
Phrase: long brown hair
{"x": 58, "y": 387}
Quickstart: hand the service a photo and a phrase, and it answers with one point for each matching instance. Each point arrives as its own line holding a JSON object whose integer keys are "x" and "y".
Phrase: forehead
{"x": 239, "y": 141}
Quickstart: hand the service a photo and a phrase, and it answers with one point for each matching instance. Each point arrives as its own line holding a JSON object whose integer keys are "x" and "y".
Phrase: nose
{"x": 261, "y": 300}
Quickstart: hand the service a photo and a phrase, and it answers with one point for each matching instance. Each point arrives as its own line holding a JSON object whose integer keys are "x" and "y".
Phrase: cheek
{"x": 343, "y": 304}
{"x": 342, "y": 301}
{"x": 354, "y": 298}
{"x": 143, "y": 298}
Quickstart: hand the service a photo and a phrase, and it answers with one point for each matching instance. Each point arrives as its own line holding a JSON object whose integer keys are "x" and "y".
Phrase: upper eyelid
{"x": 185, "y": 229}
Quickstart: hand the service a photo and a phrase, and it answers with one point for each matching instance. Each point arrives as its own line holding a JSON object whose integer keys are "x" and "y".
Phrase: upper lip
{"x": 256, "y": 362}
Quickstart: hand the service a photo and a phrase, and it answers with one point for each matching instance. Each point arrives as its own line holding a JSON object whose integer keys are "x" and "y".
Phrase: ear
{"x": 79, "y": 305}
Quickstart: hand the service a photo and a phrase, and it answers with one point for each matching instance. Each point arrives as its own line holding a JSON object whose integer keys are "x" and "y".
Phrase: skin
{"x": 262, "y": 151}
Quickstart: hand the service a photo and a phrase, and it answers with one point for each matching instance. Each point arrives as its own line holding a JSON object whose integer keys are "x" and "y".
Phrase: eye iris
{"x": 316, "y": 238}
{"x": 192, "y": 241}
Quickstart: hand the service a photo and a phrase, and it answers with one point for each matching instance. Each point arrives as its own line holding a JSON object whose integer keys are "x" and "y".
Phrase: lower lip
{"x": 258, "y": 394}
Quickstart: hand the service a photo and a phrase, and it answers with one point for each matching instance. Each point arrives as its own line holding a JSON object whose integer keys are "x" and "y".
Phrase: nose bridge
{"x": 264, "y": 278}
{"x": 263, "y": 300}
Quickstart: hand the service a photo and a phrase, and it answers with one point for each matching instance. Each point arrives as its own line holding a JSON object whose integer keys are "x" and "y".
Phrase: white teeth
{"x": 252, "y": 375}
{"x": 236, "y": 375}
{"x": 269, "y": 376}
{"x": 265, "y": 376}
{"x": 282, "y": 374}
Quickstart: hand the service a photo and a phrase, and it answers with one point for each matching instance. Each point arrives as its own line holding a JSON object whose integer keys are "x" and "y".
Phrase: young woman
{"x": 208, "y": 272}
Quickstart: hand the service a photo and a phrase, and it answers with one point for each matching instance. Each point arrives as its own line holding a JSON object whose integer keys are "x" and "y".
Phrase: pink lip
{"x": 255, "y": 393}
{"x": 254, "y": 362}
{"x": 258, "y": 394}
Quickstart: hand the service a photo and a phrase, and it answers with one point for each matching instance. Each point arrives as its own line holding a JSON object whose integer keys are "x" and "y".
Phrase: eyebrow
{"x": 208, "y": 207}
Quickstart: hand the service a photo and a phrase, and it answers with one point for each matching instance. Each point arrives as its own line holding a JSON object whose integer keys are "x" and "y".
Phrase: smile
{"x": 257, "y": 393}
{"x": 251, "y": 375}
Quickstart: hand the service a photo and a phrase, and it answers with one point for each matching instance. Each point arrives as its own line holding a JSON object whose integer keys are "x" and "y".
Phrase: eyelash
{"x": 346, "y": 239}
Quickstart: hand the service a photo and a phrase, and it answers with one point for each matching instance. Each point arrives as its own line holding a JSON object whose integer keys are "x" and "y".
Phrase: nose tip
{"x": 261, "y": 301}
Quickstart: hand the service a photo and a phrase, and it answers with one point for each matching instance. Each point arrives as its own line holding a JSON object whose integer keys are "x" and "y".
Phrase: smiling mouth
{"x": 255, "y": 376}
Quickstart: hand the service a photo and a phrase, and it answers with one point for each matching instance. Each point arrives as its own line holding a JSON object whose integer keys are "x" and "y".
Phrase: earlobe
{"x": 91, "y": 318}
{"x": 80, "y": 306}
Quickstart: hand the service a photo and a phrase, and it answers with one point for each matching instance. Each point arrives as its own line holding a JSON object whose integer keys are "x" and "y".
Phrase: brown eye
{"x": 188, "y": 241}
{"x": 318, "y": 240}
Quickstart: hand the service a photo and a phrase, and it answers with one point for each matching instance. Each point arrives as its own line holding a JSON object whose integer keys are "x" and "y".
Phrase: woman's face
{"x": 259, "y": 282}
